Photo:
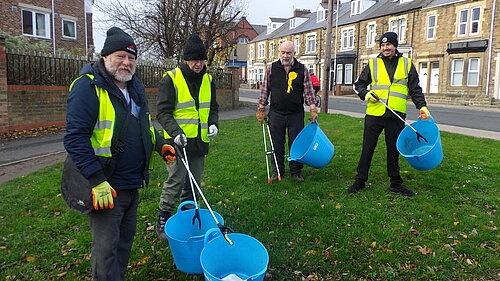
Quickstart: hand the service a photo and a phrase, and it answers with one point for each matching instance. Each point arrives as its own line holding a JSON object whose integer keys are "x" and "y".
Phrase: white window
{"x": 474, "y": 21}
{"x": 272, "y": 50}
{"x": 402, "y": 30}
{"x": 348, "y": 74}
{"x": 347, "y": 39}
{"x": 473, "y": 72}
{"x": 399, "y": 27}
{"x": 457, "y": 72}
{"x": 468, "y": 21}
{"x": 338, "y": 79}
{"x": 36, "y": 23}
{"x": 311, "y": 43}
{"x": 310, "y": 68}
{"x": 261, "y": 74}
{"x": 292, "y": 23}
{"x": 296, "y": 44}
{"x": 261, "y": 50}
{"x": 355, "y": 7}
{"x": 242, "y": 40}
{"x": 321, "y": 15}
{"x": 68, "y": 29}
{"x": 394, "y": 26}
{"x": 462, "y": 22}
{"x": 431, "y": 27}
{"x": 251, "y": 52}
{"x": 370, "y": 35}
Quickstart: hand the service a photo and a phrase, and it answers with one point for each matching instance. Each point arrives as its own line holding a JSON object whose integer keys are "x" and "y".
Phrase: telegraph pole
{"x": 328, "y": 57}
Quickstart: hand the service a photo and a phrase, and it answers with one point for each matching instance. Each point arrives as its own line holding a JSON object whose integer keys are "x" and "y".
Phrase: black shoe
{"x": 401, "y": 189}
{"x": 355, "y": 187}
{"x": 298, "y": 177}
{"x": 160, "y": 225}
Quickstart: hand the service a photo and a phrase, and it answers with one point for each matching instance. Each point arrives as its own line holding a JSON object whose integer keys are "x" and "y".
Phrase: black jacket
{"x": 166, "y": 106}
{"x": 81, "y": 116}
{"x": 414, "y": 89}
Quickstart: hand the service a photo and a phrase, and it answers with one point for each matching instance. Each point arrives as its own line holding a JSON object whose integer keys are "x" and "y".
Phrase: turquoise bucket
{"x": 186, "y": 239}
{"x": 312, "y": 147}
{"x": 245, "y": 259}
{"x": 421, "y": 155}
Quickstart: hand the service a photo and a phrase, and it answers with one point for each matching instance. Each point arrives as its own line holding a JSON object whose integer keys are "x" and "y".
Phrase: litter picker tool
{"x": 269, "y": 153}
{"x": 419, "y": 136}
{"x": 223, "y": 229}
{"x": 184, "y": 160}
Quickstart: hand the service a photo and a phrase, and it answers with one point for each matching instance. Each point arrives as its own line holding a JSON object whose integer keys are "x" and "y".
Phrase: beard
{"x": 286, "y": 63}
{"x": 113, "y": 70}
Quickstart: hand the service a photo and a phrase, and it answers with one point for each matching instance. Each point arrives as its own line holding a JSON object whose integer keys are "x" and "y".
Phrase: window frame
{"x": 348, "y": 78}
{"x": 370, "y": 34}
{"x": 296, "y": 44}
{"x": 431, "y": 28}
{"x": 34, "y": 26}
{"x": 473, "y": 21}
{"x": 476, "y": 71}
{"x": 339, "y": 74}
{"x": 453, "y": 72}
{"x": 347, "y": 38}
{"x": 251, "y": 54}
{"x": 311, "y": 38}
{"x": 261, "y": 50}
{"x": 62, "y": 28}
{"x": 463, "y": 24}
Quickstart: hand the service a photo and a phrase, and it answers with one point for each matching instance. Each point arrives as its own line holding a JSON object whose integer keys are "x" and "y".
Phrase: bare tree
{"x": 161, "y": 27}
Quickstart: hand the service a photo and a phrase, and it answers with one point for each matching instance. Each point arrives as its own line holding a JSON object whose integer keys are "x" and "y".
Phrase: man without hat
{"x": 392, "y": 78}
{"x": 189, "y": 115}
{"x": 110, "y": 138}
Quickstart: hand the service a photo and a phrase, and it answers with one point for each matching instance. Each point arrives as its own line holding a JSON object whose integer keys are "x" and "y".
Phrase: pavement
{"x": 20, "y": 157}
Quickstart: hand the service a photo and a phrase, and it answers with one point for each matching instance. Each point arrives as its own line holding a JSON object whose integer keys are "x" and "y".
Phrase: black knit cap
{"x": 118, "y": 40}
{"x": 390, "y": 37}
{"x": 195, "y": 49}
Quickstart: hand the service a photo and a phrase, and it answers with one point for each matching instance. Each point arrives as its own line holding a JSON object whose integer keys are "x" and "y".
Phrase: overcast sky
{"x": 257, "y": 12}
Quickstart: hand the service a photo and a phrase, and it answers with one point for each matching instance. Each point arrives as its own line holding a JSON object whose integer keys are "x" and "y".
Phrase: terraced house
{"x": 64, "y": 24}
{"x": 453, "y": 43}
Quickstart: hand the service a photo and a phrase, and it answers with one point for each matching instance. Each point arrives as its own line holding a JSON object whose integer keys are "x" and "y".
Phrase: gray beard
{"x": 114, "y": 72}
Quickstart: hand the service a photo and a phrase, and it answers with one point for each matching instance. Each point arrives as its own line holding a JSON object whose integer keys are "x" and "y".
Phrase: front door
{"x": 423, "y": 76}
{"x": 434, "y": 86}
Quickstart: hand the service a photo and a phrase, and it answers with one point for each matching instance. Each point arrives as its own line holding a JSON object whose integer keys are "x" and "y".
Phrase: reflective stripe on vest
{"x": 102, "y": 133}
{"x": 394, "y": 94}
{"x": 185, "y": 112}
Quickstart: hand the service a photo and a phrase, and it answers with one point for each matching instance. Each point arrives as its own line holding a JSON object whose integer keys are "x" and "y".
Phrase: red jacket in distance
{"x": 315, "y": 80}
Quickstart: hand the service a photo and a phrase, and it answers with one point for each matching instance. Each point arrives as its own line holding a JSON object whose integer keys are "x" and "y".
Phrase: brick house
{"x": 241, "y": 35}
{"x": 65, "y": 24}
{"x": 453, "y": 43}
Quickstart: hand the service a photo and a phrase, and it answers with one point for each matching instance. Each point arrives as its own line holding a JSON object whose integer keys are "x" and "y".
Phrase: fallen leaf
{"x": 473, "y": 216}
{"x": 373, "y": 244}
{"x": 61, "y": 274}
{"x": 337, "y": 206}
{"x": 331, "y": 194}
{"x": 30, "y": 259}
{"x": 310, "y": 252}
{"x": 425, "y": 250}
{"x": 456, "y": 223}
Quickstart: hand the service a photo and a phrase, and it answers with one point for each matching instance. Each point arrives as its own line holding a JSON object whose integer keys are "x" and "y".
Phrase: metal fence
{"x": 42, "y": 69}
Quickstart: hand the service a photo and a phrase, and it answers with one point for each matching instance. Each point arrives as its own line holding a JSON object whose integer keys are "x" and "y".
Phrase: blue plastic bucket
{"x": 312, "y": 147}
{"x": 186, "y": 239}
{"x": 245, "y": 259}
{"x": 421, "y": 155}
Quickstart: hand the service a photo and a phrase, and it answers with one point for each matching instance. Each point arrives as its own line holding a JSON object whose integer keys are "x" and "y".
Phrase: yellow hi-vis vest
{"x": 104, "y": 127}
{"x": 185, "y": 112}
{"x": 394, "y": 94}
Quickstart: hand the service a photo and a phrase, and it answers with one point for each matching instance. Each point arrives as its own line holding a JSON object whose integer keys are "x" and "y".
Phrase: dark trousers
{"x": 373, "y": 128}
{"x": 113, "y": 232}
{"x": 279, "y": 124}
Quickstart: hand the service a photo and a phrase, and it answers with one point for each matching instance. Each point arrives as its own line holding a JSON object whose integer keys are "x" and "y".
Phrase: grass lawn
{"x": 313, "y": 230}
